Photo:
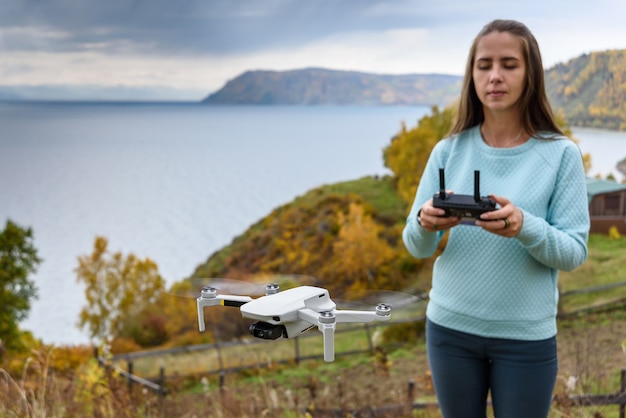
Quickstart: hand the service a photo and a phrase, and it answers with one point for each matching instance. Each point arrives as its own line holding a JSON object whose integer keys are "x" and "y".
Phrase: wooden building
{"x": 607, "y": 205}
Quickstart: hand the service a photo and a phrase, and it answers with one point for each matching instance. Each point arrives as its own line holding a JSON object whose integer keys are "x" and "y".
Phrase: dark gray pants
{"x": 465, "y": 368}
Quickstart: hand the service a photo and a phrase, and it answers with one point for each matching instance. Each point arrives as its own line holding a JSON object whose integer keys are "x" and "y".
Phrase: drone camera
{"x": 267, "y": 331}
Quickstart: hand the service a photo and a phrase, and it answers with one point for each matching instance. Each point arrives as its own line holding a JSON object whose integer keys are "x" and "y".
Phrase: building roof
{"x": 598, "y": 186}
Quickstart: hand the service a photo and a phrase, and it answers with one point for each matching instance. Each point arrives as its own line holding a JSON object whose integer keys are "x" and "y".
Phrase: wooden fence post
{"x": 162, "y": 391}
{"x": 369, "y": 338}
{"x": 129, "y": 368}
{"x": 297, "y": 348}
{"x": 409, "y": 397}
{"x": 622, "y": 406}
{"x": 222, "y": 373}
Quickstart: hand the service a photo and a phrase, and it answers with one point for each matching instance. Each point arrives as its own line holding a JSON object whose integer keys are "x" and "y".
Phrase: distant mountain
{"x": 316, "y": 86}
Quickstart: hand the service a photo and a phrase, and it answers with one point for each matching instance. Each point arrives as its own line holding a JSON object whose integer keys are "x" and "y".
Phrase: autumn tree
{"x": 117, "y": 288}
{"x": 409, "y": 150}
{"x": 18, "y": 260}
{"x": 561, "y": 121}
{"x": 181, "y": 312}
{"x": 358, "y": 250}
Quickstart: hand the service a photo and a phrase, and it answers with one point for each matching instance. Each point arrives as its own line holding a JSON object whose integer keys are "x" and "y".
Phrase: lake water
{"x": 177, "y": 182}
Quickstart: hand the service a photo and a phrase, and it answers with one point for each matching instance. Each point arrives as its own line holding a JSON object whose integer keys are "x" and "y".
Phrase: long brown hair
{"x": 537, "y": 114}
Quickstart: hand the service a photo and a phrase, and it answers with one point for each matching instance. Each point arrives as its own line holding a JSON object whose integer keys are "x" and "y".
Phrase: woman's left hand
{"x": 506, "y": 221}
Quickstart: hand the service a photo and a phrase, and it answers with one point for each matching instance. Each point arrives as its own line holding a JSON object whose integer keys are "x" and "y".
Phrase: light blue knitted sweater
{"x": 493, "y": 286}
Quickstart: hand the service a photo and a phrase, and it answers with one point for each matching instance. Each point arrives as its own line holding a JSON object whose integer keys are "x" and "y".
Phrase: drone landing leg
{"x": 326, "y": 323}
{"x": 328, "y": 332}
{"x": 210, "y": 297}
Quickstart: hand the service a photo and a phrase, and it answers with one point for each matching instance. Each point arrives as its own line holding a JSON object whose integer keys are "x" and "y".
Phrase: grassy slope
{"x": 606, "y": 264}
{"x": 297, "y": 238}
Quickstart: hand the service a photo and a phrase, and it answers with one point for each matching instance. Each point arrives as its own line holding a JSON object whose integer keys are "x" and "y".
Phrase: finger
{"x": 432, "y": 212}
{"x": 441, "y": 224}
{"x": 505, "y": 210}
{"x": 496, "y": 225}
{"x": 502, "y": 227}
{"x": 500, "y": 200}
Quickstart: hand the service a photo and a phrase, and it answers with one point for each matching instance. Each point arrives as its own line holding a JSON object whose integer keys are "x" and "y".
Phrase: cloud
{"x": 199, "y": 44}
{"x": 93, "y": 68}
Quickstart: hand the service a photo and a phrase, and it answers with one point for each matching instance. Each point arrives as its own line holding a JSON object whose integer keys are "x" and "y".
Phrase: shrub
{"x": 614, "y": 233}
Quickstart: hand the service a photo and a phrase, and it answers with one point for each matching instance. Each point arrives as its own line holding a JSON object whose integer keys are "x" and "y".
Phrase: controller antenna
{"x": 442, "y": 184}
{"x": 476, "y": 186}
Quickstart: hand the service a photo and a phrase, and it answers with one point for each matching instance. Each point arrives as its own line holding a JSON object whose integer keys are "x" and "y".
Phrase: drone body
{"x": 290, "y": 313}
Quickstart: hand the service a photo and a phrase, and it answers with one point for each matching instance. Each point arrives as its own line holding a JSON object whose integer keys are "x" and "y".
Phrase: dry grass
{"x": 590, "y": 351}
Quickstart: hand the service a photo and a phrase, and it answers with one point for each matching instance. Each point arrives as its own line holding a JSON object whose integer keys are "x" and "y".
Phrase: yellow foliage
{"x": 124, "y": 345}
{"x": 358, "y": 250}
{"x": 69, "y": 358}
{"x": 117, "y": 287}
{"x": 409, "y": 150}
{"x": 181, "y": 312}
{"x": 92, "y": 392}
{"x": 562, "y": 123}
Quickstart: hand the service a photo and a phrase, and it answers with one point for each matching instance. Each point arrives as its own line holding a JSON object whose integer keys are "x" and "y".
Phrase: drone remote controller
{"x": 463, "y": 206}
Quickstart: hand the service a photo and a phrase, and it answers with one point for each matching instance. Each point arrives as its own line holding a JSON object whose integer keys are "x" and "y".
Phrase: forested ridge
{"x": 591, "y": 89}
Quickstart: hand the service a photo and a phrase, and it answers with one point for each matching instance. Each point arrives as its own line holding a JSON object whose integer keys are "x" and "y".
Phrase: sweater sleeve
{"x": 418, "y": 241}
{"x": 560, "y": 240}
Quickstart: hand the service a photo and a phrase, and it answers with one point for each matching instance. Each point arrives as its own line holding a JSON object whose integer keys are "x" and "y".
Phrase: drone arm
{"x": 309, "y": 315}
{"x": 223, "y": 300}
{"x": 343, "y": 315}
{"x": 361, "y": 316}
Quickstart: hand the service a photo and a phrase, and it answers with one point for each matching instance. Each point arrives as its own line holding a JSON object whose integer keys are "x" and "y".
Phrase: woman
{"x": 491, "y": 324}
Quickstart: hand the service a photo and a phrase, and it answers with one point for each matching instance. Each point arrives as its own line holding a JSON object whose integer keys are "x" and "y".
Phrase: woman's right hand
{"x": 433, "y": 219}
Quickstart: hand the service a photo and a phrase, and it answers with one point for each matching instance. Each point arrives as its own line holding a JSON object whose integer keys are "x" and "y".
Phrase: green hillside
{"x": 305, "y": 236}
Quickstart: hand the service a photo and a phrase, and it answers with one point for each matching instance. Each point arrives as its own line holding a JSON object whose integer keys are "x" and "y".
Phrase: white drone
{"x": 290, "y": 313}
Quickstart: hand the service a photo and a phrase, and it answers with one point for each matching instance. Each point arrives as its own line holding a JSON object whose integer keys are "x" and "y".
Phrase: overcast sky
{"x": 200, "y": 44}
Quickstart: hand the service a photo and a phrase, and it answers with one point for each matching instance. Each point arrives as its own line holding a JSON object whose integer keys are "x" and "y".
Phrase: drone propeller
{"x": 258, "y": 286}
